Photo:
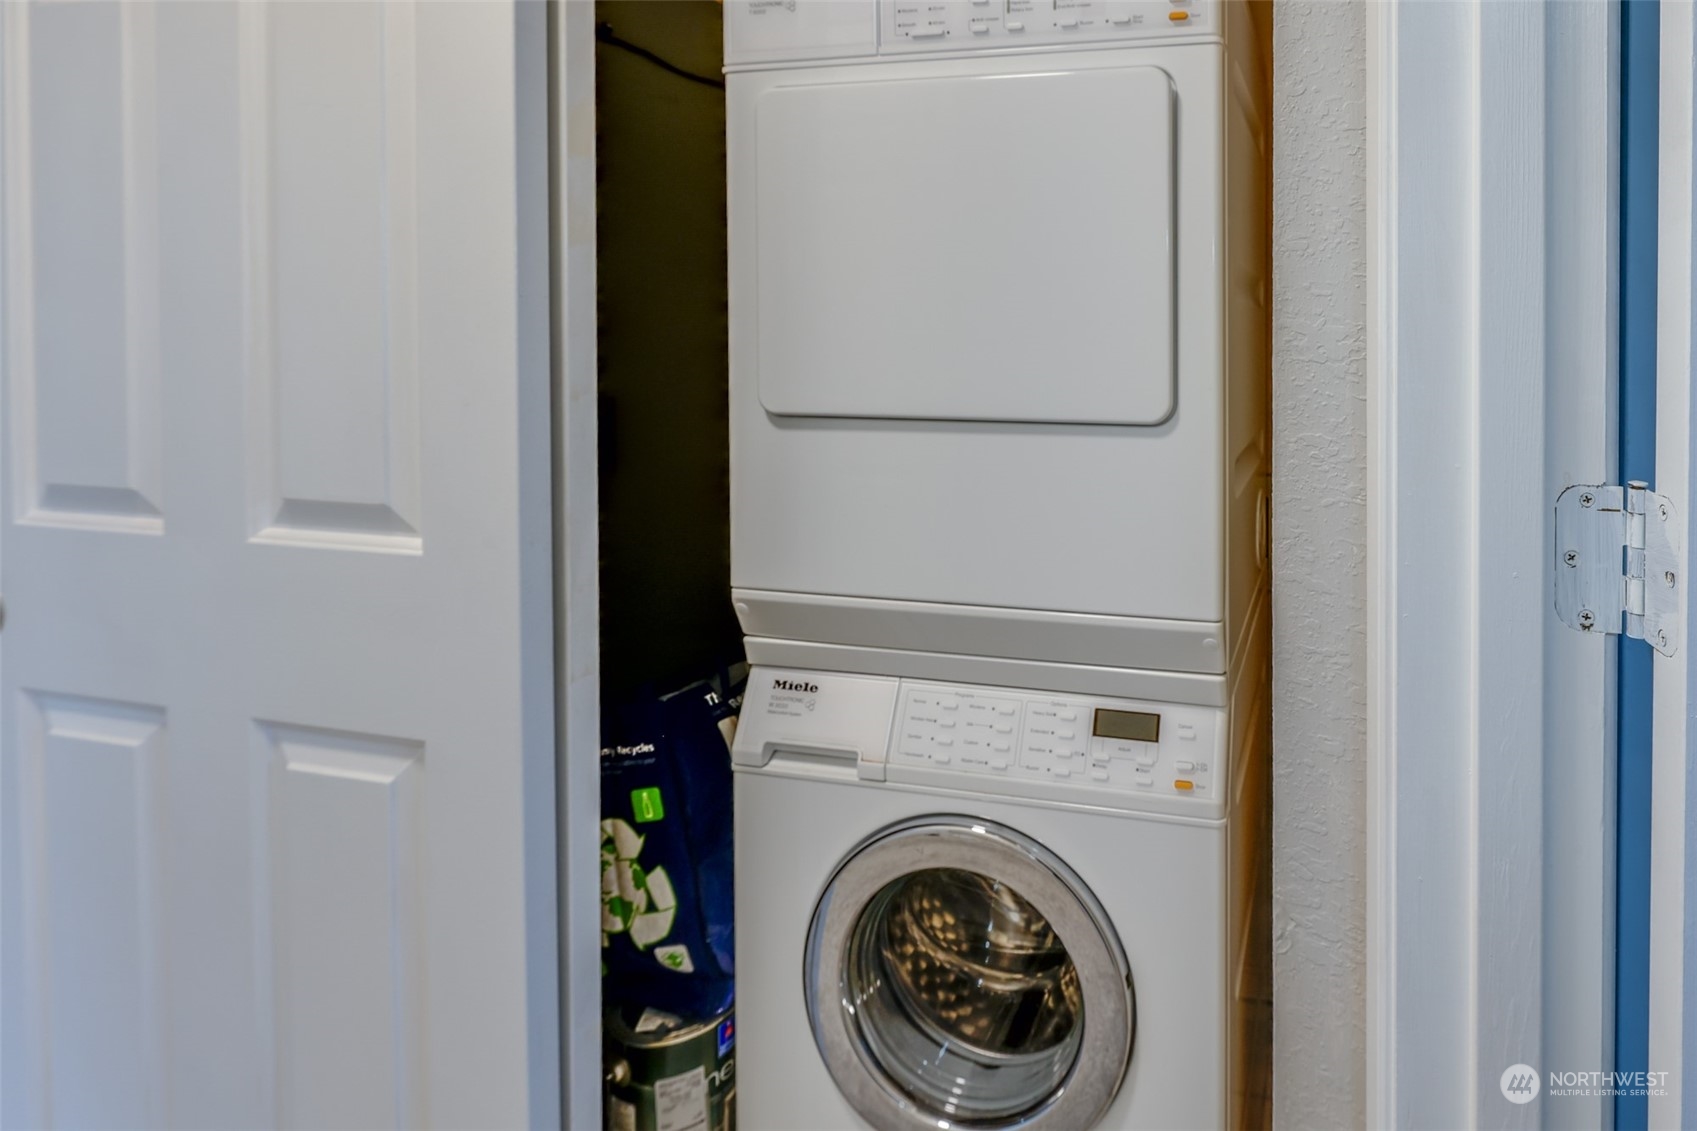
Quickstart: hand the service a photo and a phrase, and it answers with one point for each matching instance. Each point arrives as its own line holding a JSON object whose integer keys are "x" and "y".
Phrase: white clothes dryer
{"x": 975, "y": 906}
{"x": 998, "y": 330}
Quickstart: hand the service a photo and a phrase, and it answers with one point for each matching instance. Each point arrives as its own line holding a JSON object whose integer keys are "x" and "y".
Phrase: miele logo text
{"x": 795, "y": 685}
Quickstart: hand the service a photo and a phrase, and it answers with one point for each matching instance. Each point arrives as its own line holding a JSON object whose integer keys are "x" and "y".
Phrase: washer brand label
{"x": 792, "y": 698}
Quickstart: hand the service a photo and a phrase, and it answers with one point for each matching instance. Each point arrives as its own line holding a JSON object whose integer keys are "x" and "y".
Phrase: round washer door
{"x": 959, "y": 972}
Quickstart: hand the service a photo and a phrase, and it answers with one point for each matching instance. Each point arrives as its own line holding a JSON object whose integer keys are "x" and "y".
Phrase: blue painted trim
{"x": 1640, "y": 75}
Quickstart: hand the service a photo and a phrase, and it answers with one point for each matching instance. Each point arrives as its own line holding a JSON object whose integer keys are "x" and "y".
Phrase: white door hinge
{"x": 1616, "y": 566}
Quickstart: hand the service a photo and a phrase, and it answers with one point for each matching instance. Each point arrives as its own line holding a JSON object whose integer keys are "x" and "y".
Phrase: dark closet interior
{"x": 665, "y": 508}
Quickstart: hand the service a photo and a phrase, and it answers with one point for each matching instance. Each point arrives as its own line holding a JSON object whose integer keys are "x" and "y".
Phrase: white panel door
{"x": 278, "y": 789}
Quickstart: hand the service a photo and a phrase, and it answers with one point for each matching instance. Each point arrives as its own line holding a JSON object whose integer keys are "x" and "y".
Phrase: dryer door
{"x": 967, "y": 246}
{"x": 958, "y": 972}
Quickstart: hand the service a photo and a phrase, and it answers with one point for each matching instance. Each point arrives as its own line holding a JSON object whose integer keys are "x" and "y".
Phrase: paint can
{"x": 663, "y": 1074}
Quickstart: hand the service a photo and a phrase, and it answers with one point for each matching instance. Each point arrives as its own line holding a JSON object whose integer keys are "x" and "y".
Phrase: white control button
{"x": 998, "y": 763}
{"x": 1060, "y": 771}
{"x": 980, "y": 29}
{"x": 1069, "y": 716}
{"x": 1068, "y": 21}
{"x": 1001, "y": 747}
{"x": 926, "y": 32}
{"x": 1003, "y": 728}
{"x": 1184, "y": 767}
{"x": 1005, "y": 708}
{"x": 944, "y": 741}
{"x": 1146, "y": 759}
{"x": 1143, "y": 779}
{"x": 940, "y": 758}
{"x": 1121, "y": 20}
{"x": 950, "y": 704}
{"x": 1187, "y": 732}
{"x": 1064, "y": 734}
{"x": 1099, "y": 774}
{"x": 946, "y": 723}
{"x": 1014, "y": 25}
{"x": 981, "y": 3}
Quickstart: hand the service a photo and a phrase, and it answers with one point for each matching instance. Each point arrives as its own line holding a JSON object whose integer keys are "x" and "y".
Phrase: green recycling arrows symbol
{"x": 635, "y": 901}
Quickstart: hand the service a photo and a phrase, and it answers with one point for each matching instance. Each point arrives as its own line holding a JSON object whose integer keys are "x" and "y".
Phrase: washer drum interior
{"x": 958, "y": 971}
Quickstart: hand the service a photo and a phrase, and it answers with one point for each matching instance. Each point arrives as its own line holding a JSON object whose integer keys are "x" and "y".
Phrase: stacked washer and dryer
{"x": 999, "y": 456}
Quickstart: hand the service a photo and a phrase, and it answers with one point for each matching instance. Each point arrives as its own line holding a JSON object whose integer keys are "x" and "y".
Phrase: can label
{"x": 680, "y": 1102}
{"x": 663, "y": 1074}
{"x": 727, "y": 1035}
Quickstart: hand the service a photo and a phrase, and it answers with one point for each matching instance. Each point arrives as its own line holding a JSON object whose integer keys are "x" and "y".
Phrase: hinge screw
{"x": 1586, "y": 619}
{"x": 1669, "y": 578}
{"x": 1662, "y": 637}
{"x": 1663, "y": 509}
{"x": 1571, "y": 558}
{"x": 1587, "y": 499}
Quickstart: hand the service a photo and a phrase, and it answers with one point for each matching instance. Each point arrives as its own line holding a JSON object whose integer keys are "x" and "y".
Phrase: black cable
{"x": 604, "y": 34}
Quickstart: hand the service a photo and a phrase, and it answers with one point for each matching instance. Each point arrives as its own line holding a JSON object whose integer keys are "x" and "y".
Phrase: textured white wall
{"x": 1319, "y": 484}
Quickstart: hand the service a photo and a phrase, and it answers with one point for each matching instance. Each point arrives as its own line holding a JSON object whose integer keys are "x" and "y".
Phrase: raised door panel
{"x": 91, "y": 777}
{"x": 341, "y": 954}
{"x": 82, "y": 254}
{"x": 328, "y": 122}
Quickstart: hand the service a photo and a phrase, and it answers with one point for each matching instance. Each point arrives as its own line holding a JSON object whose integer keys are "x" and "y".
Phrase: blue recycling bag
{"x": 667, "y": 934}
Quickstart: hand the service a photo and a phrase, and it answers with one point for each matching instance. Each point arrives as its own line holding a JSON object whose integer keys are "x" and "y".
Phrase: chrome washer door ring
{"x": 957, "y": 971}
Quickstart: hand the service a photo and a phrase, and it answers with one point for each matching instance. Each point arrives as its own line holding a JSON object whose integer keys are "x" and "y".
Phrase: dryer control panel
{"x": 769, "y": 31}
{"x": 946, "y": 25}
{"x": 1120, "y": 753}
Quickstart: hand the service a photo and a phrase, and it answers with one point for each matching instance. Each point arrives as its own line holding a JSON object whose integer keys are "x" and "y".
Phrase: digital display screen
{"x": 1138, "y": 726}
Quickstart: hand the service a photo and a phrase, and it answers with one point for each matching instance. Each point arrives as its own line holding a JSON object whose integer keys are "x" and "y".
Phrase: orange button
{"x": 1182, "y": 784}
{"x": 1178, "y": 17}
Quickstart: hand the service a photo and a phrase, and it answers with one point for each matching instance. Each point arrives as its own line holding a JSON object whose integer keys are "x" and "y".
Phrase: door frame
{"x": 1492, "y": 357}
{"x": 576, "y": 539}
{"x": 1673, "y": 843}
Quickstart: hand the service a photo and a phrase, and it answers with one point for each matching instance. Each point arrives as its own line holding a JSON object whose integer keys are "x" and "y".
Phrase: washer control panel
{"x": 1122, "y": 745}
{"x": 1117, "y": 753}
